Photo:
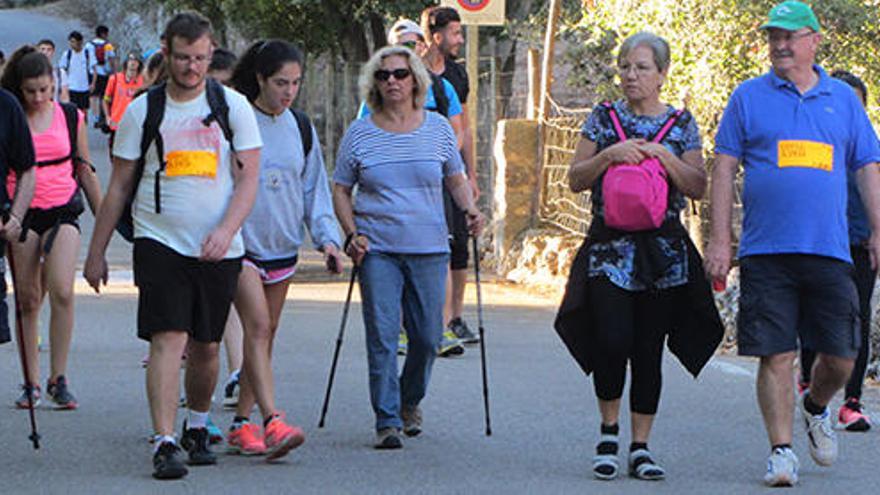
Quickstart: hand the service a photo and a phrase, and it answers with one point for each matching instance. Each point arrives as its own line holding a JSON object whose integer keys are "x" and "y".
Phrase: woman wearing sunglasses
{"x": 400, "y": 158}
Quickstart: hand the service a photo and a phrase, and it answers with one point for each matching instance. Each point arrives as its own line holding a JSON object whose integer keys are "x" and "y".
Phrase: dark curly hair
{"x": 264, "y": 58}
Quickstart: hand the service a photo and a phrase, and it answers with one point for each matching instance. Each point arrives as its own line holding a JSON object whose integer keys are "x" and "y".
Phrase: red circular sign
{"x": 473, "y": 5}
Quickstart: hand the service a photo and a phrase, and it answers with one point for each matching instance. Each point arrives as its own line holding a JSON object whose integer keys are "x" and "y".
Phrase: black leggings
{"x": 864, "y": 278}
{"x": 629, "y": 327}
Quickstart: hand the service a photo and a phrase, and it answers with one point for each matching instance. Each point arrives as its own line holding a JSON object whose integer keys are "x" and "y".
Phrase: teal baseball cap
{"x": 792, "y": 15}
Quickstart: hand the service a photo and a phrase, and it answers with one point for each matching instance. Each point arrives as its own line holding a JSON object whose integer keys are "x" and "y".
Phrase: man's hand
{"x": 718, "y": 257}
{"x": 95, "y": 271}
{"x": 475, "y": 222}
{"x": 216, "y": 245}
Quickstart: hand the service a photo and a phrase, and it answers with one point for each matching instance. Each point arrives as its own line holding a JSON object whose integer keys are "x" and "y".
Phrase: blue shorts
{"x": 787, "y": 299}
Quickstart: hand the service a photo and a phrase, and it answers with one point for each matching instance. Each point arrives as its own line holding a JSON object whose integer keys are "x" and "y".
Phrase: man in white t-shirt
{"x": 187, "y": 240}
{"x": 59, "y": 75}
{"x": 79, "y": 63}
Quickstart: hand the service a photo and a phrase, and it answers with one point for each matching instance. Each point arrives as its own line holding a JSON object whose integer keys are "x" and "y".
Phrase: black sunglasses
{"x": 384, "y": 75}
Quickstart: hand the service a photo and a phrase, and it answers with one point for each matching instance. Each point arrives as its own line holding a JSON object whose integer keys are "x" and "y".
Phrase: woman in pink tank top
{"x": 47, "y": 251}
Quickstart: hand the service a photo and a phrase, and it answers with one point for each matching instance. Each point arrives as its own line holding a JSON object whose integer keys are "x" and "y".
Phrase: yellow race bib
{"x": 809, "y": 154}
{"x": 191, "y": 162}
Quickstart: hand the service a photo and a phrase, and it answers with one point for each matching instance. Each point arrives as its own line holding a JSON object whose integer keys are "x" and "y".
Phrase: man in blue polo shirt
{"x": 797, "y": 132}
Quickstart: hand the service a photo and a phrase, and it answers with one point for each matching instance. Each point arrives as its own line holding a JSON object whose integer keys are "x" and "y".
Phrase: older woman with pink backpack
{"x": 638, "y": 278}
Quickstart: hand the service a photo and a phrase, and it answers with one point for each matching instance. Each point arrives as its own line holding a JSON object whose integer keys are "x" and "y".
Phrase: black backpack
{"x": 440, "y": 95}
{"x": 216, "y": 97}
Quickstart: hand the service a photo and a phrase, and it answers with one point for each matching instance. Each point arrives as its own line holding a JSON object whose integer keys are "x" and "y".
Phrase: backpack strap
{"x": 155, "y": 113}
{"x": 216, "y": 95}
{"x": 71, "y": 117}
{"x": 440, "y": 98}
{"x": 615, "y": 120}
{"x": 305, "y": 130}
{"x": 68, "y": 54}
{"x": 667, "y": 126}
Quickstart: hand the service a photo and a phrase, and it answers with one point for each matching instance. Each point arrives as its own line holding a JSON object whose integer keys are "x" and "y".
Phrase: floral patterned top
{"x": 616, "y": 259}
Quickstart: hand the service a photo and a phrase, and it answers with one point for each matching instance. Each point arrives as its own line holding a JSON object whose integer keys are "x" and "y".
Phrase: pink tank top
{"x": 55, "y": 184}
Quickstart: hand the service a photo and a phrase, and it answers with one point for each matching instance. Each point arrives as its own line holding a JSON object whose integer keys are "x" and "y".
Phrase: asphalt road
{"x": 545, "y": 422}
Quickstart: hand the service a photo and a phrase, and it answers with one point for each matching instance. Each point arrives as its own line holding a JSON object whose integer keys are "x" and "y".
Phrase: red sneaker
{"x": 245, "y": 440}
{"x": 851, "y": 417}
{"x": 281, "y": 438}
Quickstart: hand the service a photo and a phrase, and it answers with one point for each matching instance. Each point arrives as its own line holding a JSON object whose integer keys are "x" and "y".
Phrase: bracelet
{"x": 348, "y": 240}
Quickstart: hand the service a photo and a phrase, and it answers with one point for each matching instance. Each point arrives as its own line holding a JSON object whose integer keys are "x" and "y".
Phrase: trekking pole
{"x": 482, "y": 335}
{"x": 19, "y": 329}
{"x": 354, "y": 272}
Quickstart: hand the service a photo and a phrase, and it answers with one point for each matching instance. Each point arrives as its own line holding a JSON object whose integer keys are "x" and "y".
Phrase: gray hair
{"x": 659, "y": 47}
{"x": 370, "y": 89}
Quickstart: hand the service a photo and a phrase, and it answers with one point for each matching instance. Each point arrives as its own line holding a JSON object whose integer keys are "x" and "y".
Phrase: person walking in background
{"x": 79, "y": 62}
{"x": 399, "y": 158}
{"x": 797, "y": 132}
{"x": 632, "y": 286}
{"x": 60, "y": 90}
{"x": 105, "y": 66}
{"x": 120, "y": 91}
{"x": 48, "y": 247}
{"x": 851, "y": 415}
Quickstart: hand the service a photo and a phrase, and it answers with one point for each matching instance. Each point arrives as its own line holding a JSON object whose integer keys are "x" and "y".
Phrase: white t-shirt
{"x": 77, "y": 72}
{"x": 193, "y": 202}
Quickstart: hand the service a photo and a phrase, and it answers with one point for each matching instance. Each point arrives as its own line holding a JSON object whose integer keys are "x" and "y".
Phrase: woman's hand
{"x": 629, "y": 151}
{"x": 11, "y": 230}
{"x": 475, "y": 222}
{"x": 357, "y": 248}
{"x": 332, "y": 258}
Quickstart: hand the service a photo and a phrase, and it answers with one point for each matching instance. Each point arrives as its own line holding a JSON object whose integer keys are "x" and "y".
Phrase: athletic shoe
{"x": 388, "y": 439}
{"x": 281, "y": 438}
{"x": 245, "y": 440}
{"x": 412, "y": 420}
{"x": 57, "y": 391}
{"x": 402, "y": 343}
{"x": 782, "y": 468}
{"x": 851, "y": 417}
{"x": 449, "y": 345}
{"x": 215, "y": 435}
{"x": 820, "y": 433}
{"x": 167, "y": 464}
{"x": 230, "y": 392}
{"x": 460, "y": 329}
{"x": 196, "y": 442}
{"x": 22, "y": 402}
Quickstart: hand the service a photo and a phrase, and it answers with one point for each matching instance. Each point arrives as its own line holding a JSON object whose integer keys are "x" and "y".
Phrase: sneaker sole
{"x": 455, "y": 351}
{"x": 230, "y": 403}
{"x": 412, "y": 432}
{"x": 283, "y": 448}
{"x": 208, "y": 461}
{"x": 171, "y": 474}
{"x": 781, "y": 482}
{"x": 25, "y": 407}
{"x": 858, "y": 425}
{"x": 232, "y": 450}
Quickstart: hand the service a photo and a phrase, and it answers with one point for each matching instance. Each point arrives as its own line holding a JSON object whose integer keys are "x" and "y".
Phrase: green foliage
{"x": 318, "y": 26}
{"x": 715, "y": 45}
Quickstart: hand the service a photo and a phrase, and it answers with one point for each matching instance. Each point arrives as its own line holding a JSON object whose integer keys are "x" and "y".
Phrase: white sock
{"x": 197, "y": 419}
{"x": 158, "y": 440}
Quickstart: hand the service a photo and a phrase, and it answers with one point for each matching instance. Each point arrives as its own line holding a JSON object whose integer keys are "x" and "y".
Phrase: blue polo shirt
{"x": 796, "y": 151}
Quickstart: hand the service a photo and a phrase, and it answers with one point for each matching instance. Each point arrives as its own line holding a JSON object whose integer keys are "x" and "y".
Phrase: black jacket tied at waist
{"x": 696, "y": 328}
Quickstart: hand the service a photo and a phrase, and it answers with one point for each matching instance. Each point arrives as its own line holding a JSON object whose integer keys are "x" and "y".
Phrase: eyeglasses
{"x": 639, "y": 71}
{"x": 399, "y": 74}
{"x": 409, "y": 44}
{"x": 189, "y": 59}
{"x": 779, "y": 36}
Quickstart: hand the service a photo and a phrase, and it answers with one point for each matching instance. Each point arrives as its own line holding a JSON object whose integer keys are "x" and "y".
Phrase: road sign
{"x": 478, "y": 12}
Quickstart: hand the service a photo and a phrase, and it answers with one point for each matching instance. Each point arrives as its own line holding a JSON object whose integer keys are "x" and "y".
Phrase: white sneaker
{"x": 782, "y": 468}
{"x": 821, "y": 435}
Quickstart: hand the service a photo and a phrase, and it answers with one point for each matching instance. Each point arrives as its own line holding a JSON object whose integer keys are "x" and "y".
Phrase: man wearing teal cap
{"x": 797, "y": 132}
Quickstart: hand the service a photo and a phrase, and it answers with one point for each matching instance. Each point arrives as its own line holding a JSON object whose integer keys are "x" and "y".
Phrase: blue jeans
{"x": 415, "y": 283}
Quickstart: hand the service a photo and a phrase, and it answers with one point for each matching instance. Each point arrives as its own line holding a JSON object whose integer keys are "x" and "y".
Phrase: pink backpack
{"x": 636, "y": 195}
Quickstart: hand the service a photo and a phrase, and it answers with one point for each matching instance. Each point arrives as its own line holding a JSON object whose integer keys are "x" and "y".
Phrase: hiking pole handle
{"x": 482, "y": 334}
{"x": 354, "y": 273}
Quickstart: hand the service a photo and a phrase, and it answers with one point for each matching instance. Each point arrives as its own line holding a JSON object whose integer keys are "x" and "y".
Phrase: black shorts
{"x": 787, "y": 297}
{"x": 80, "y": 99}
{"x": 100, "y": 85}
{"x": 177, "y": 292}
{"x": 41, "y": 221}
{"x": 456, "y": 222}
